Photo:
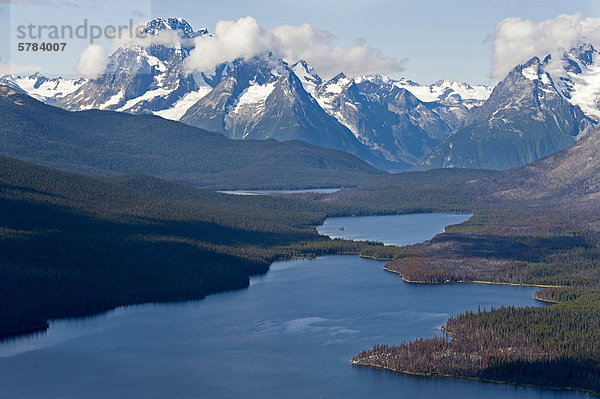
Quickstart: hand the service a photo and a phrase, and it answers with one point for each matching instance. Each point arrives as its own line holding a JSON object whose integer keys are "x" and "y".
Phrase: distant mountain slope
{"x": 108, "y": 143}
{"x": 387, "y": 119}
{"x": 447, "y": 92}
{"x": 525, "y": 118}
{"x": 569, "y": 179}
{"x": 263, "y": 98}
{"x": 48, "y": 90}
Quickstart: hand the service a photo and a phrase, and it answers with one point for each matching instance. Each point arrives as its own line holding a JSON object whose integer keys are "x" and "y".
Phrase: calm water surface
{"x": 390, "y": 230}
{"x": 281, "y": 192}
{"x": 290, "y": 335}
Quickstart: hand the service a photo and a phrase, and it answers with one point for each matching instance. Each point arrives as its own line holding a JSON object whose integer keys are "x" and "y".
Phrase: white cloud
{"x": 245, "y": 38}
{"x": 242, "y": 38}
{"x": 92, "y": 61}
{"x": 10, "y": 68}
{"x": 517, "y": 40}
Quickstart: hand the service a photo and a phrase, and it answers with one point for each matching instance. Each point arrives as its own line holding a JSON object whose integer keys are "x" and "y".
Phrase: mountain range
{"x": 541, "y": 107}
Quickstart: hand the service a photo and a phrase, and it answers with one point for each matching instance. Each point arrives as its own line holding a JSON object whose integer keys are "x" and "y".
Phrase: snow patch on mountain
{"x": 114, "y": 100}
{"x": 254, "y": 96}
{"x": 177, "y": 110}
{"x": 41, "y": 88}
{"x": 149, "y": 95}
{"x": 530, "y": 73}
{"x": 307, "y": 75}
{"x": 446, "y": 89}
{"x": 586, "y": 91}
{"x": 578, "y": 78}
{"x": 337, "y": 84}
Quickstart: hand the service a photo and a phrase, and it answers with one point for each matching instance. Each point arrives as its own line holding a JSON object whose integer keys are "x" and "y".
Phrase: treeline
{"x": 553, "y": 346}
{"x": 440, "y": 190}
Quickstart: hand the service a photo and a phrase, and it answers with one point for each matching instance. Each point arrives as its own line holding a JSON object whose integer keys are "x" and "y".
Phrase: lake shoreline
{"x": 468, "y": 378}
{"x": 473, "y": 282}
{"x": 42, "y": 328}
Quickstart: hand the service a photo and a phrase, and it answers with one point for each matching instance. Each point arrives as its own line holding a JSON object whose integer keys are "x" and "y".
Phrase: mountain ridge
{"x": 105, "y": 143}
{"x": 526, "y": 118}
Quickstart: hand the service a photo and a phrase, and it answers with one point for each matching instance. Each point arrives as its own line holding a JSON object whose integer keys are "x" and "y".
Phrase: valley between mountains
{"x": 108, "y": 194}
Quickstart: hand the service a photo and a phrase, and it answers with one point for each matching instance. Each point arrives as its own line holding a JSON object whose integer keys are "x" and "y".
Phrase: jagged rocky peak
{"x": 532, "y": 70}
{"x": 302, "y": 69}
{"x": 332, "y": 88}
{"x": 408, "y": 82}
{"x": 307, "y": 75}
{"x": 377, "y": 79}
{"x": 583, "y": 52}
{"x": 145, "y": 77}
{"x": 256, "y": 70}
{"x": 180, "y": 25}
{"x": 340, "y": 78}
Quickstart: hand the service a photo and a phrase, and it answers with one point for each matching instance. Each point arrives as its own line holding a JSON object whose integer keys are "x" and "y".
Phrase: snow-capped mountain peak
{"x": 377, "y": 79}
{"x": 307, "y": 75}
{"x": 526, "y": 118}
{"x": 447, "y": 91}
{"x": 392, "y": 123}
{"x": 335, "y": 85}
{"x": 583, "y": 52}
{"x": 180, "y": 25}
{"x": 42, "y": 88}
{"x": 534, "y": 70}
{"x": 577, "y": 77}
{"x": 145, "y": 77}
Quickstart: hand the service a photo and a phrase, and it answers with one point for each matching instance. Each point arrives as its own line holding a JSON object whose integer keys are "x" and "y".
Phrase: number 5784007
{"x": 41, "y": 46}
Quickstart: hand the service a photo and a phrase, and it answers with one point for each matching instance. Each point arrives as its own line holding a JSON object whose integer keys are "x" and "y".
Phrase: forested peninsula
{"x": 536, "y": 225}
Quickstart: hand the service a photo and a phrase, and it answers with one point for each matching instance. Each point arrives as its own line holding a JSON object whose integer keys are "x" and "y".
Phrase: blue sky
{"x": 445, "y": 39}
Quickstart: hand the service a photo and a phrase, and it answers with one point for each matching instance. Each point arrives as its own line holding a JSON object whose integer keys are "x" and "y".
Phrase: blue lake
{"x": 282, "y": 192}
{"x": 390, "y": 230}
{"x": 291, "y": 334}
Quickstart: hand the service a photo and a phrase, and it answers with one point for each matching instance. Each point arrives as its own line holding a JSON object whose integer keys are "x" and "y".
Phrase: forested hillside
{"x": 72, "y": 245}
{"x": 102, "y": 143}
